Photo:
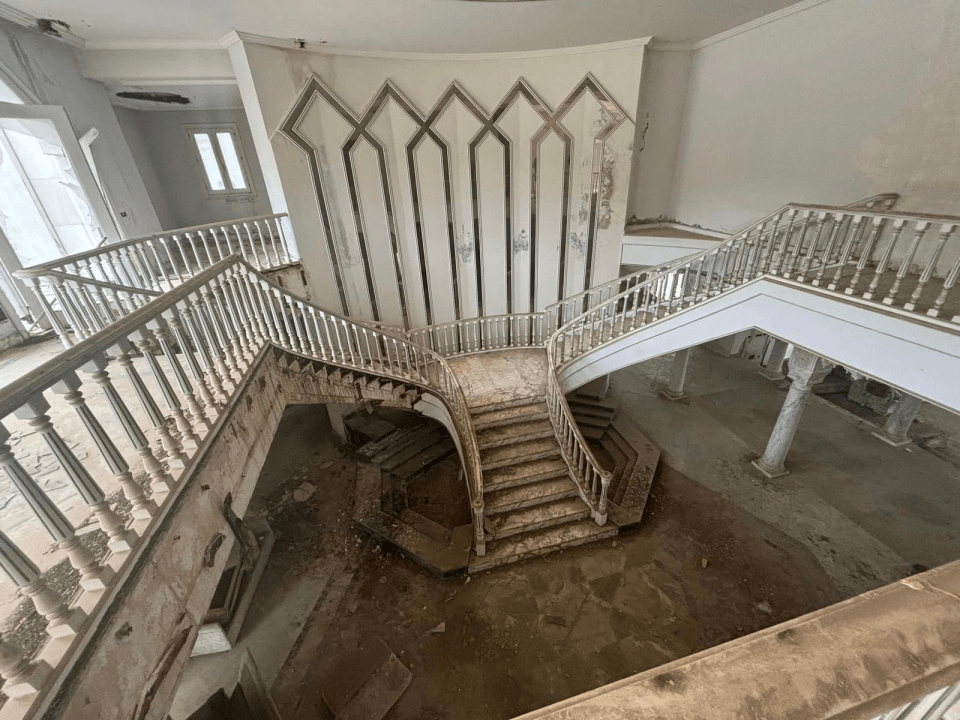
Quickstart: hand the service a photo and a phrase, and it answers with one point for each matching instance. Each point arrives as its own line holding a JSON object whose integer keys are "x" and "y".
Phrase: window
{"x": 220, "y": 158}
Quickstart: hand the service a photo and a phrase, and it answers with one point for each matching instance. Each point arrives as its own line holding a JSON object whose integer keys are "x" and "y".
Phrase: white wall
{"x": 663, "y": 96}
{"x": 47, "y": 69}
{"x": 840, "y": 101}
{"x": 172, "y": 175}
{"x": 277, "y": 77}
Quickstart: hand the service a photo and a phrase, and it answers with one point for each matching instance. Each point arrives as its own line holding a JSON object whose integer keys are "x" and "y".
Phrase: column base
{"x": 895, "y": 442}
{"x": 769, "y": 471}
{"x": 673, "y": 396}
{"x": 771, "y": 375}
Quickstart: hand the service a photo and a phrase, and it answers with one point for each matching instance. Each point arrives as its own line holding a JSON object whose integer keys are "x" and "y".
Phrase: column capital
{"x": 806, "y": 368}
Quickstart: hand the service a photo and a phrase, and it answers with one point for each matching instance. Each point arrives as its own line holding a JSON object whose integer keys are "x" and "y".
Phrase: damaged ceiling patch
{"x": 158, "y": 97}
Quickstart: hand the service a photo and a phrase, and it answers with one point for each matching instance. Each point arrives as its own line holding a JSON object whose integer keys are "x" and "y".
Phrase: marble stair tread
{"x": 524, "y": 473}
{"x": 519, "y": 402}
{"x": 608, "y": 405}
{"x": 511, "y": 434}
{"x": 423, "y": 440}
{"x": 540, "y": 542}
{"x": 510, "y": 415}
{"x": 427, "y": 457}
{"x": 537, "y": 517}
{"x": 587, "y": 409}
{"x": 522, "y": 496}
{"x": 592, "y": 433}
{"x": 519, "y": 452}
{"x": 382, "y": 450}
{"x": 584, "y": 420}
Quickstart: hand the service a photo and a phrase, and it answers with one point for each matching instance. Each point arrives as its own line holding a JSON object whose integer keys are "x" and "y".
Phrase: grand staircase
{"x": 532, "y": 506}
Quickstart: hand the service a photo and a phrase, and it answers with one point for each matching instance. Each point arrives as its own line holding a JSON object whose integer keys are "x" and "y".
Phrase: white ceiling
{"x": 422, "y": 26}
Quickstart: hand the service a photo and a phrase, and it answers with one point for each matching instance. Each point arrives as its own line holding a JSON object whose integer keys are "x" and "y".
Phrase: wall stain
{"x": 521, "y": 243}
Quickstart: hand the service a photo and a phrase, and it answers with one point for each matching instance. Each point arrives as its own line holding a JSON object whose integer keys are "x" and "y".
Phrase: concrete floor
{"x": 722, "y": 552}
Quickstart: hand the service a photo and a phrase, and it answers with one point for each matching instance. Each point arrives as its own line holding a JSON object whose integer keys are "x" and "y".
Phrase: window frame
{"x": 211, "y": 130}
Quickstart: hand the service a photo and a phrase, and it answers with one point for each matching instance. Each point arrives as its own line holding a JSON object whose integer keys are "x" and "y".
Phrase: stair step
{"x": 519, "y": 452}
{"x": 509, "y": 415}
{"x": 507, "y": 404}
{"x": 538, "y": 517}
{"x": 599, "y": 405}
{"x": 524, "y": 473}
{"x": 521, "y": 496}
{"x": 591, "y": 420}
{"x": 592, "y": 433}
{"x": 426, "y": 458}
{"x": 540, "y": 542}
{"x": 511, "y": 434}
{"x": 424, "y": 439}
{"x": 590, "y": 410}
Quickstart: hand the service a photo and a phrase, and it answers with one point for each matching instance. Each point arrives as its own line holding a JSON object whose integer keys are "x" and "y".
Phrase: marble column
{"x": 806, "y": 370}
{"x": 774, "y": 367}
{"x": 678, "y": 375}
{"x": 896, "y": 430}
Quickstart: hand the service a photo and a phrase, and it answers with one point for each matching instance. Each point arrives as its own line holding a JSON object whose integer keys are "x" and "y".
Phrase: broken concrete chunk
{"x": 704, "y": 562}
{"x": 304, "y": 492}
{"x": 439, "y": 629}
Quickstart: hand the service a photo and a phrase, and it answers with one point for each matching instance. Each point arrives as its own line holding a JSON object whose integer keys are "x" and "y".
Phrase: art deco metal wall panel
{"x": 459, "y": 212}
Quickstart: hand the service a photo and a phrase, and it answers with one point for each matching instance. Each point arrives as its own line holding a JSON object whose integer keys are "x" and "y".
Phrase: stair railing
{"x": 900, "y": 260}
{"x": 483, "y": 334}
{"x": 198, "y": 342}
{"x": 86, "y": 291}
{"x": 570, "y": 307}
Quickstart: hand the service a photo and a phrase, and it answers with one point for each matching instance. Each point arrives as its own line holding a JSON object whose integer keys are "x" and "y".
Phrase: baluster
{"x": 105, "y": 303}
{"x": 93, "y": 576}
{"x": 806, "y": 264}
{"x": 281, "y": 236}
{"x": 853, "y": 231}
{"x": 946, "y": 231}
{"x": 20, "y": 678}
{"x": 51, "y": 314}
{"x": 161, "y": 271}
{"x": 198, "y": 420}
{"x": 217, "y": 396}
{"x": 919, "y": 230}
{"x": 22, "y": 572}
{"x": 298, "y": 327}
{"x": 242, "y": 338}
{"x": 120, "y": 539}
{"x": 781, "y": 254}
{"x": 143, "y": 507}
{"x": 72, "y": 313}
{"x": 866, "y": 252}
{"x": 206, "y": 249}
{"x": 253, "y": 247}
{"x": 85, "y": 303}
{"x": 225, "y": 321}
{"x": 143, "y": 259}
{"x": 188, "y": 266}
{"x": 243, "y": 250}
{"x": 286, "y": 320}
{"x": 165, "y": 241}
{"x": 793, "y": 256}
{"x": 884, "y": 259}
{"x": 173, "y": 449}
{"x": 948, "y": 285}
{"x": 217, "y": 339}
{"x": 254, "y": 310}
{"x": 828, "y": 249}
{"x": 160, "y": 480}
{"x": 273, "y": 244}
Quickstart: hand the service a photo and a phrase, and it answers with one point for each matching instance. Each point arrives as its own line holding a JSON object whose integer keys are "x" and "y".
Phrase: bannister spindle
{"x": 254, "y": 309}
{"x": 21, "y": 678}
{"x": 290, "y": 337}
{"x": 160, "y": 480}
{"x": 146, "y": 337}
{"x": 93, "y": 576}
{"x": 281, "y": 236}
{"x": 884, "y": 260}
{"x": 120, "y": 539}
{"x": 781, "y": 253}
{"x": 867, "y": 251}
{"x": 72, "y": 313}
{"x": 51, "y": 314}
{"x": 946, "y": 230}
{"x": 809, "y": 257}
{"x": 223, "y": 321}
{"x": 233, "y": 319}
{"x": 215, "y": 369}
{"x": 851, "y": 235}
{"x": 253, "y": 247}
{"x": 166, "y": 241}
{"x": 273, "y": 244}
{"x": 176, "y": 457}
{"x": 61, "y": 620}
{"x": 948, "y": 284}
{"x": 793, "y": 256}
{"x": 205, "y": 314}
{"x": 243, "y": 249}
{"x": 143, "y": 507}
{"x": 920, "y": 228}
{"x": 835, "y": 233}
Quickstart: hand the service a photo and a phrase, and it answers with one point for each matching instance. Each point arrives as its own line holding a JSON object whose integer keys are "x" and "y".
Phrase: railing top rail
{"x": 44, "y": 268}
{"x": 481, "y": 318}
{"x": 891, "y": 214}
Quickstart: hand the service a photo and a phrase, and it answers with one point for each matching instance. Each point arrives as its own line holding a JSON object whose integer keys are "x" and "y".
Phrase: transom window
{"x": 220, "y": 158}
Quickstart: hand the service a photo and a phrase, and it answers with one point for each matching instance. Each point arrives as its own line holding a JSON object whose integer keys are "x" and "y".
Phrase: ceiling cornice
{"x": 759, "y": 22}
{"x": 27, "y": 20}
{"x": 153, "y": 44}
{"x": 235, "y": 36}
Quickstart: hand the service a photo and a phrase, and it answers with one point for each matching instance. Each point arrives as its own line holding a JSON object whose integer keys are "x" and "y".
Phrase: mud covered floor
{"x": 698, "y": 572}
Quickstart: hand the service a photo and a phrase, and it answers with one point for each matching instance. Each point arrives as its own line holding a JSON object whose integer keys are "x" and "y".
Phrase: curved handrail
{"x": 569, "y": 307}
{"x": 41, "y": 269}
{"x": 483, "y": 334}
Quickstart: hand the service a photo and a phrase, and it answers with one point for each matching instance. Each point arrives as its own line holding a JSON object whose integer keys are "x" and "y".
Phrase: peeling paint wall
{"x": 840, "y": 101}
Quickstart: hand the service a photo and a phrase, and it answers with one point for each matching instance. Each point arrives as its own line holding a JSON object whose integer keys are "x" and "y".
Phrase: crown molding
{"x": 153, "y": 44}
{"x": 236, "y": 36}
{"x": 759, "y": 22}
{"x": 27, "y": 20}
{"x": 671, "y": 46}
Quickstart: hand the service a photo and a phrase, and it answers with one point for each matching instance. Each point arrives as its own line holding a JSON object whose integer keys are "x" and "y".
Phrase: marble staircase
{"x": 532, "y": 506}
